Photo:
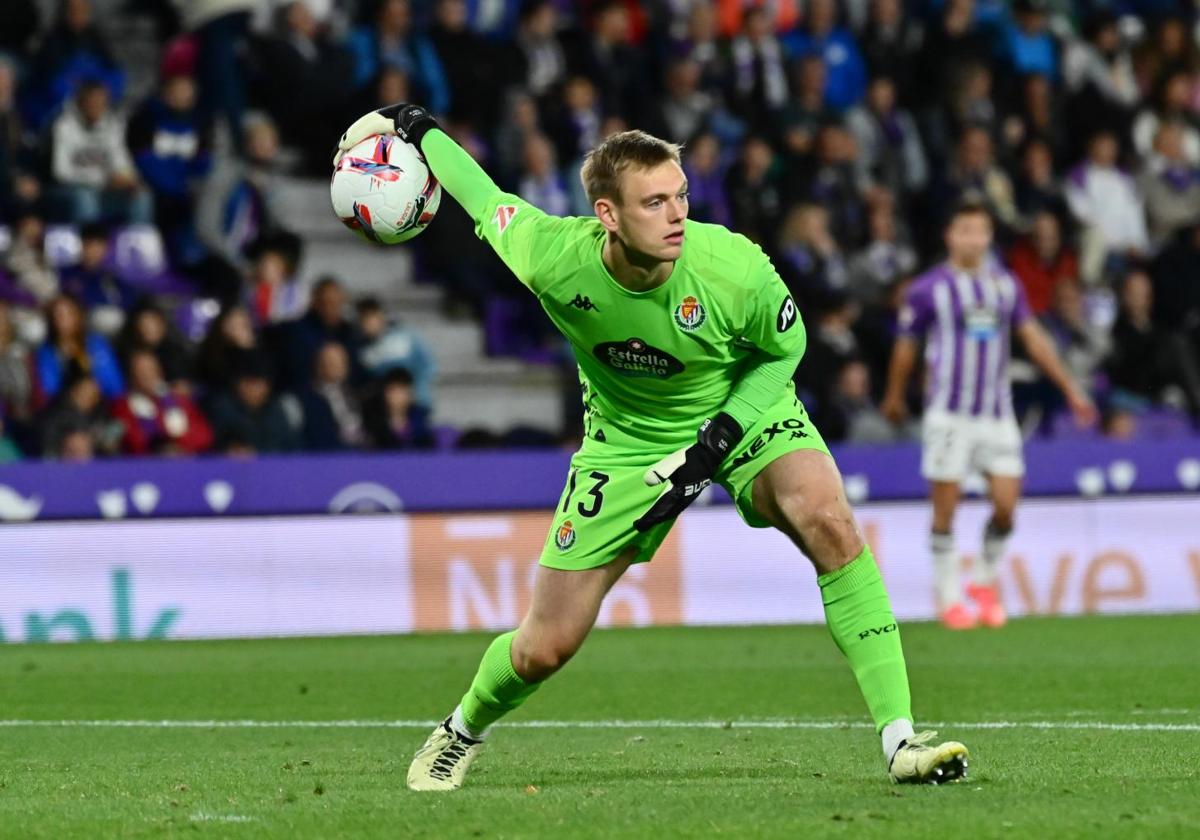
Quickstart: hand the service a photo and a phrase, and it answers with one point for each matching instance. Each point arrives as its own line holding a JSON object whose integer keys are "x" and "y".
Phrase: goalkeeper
{"x": 686, "y": 341}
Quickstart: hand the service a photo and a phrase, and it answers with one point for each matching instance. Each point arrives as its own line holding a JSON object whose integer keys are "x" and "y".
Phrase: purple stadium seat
{"x": 445, "y": 437}
{"x": 62, "y": 245}
{"x": 138, "y": 253}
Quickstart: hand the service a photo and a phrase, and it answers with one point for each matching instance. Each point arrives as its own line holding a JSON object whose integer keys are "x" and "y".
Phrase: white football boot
{"x": 442, "y": 763}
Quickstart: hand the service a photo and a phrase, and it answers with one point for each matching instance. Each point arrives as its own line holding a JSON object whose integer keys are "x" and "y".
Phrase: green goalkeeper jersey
{"x": 721, "y": 334}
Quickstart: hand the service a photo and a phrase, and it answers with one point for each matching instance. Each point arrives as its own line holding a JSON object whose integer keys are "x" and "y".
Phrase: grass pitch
{"x": 1077, "y": 728}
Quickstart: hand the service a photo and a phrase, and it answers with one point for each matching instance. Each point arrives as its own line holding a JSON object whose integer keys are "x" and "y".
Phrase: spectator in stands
{"x": 810, "y": 260}
{"x": 468, "y": 60}
{"x": 1169, "y": 49}
{"x": 1170, "y": 184}
{"x": 9, "y": 451}
{"x": 1102, "y": 90}
{"x": 1105, "y": 201}
{"x": 274, "y": 294}
{"x": 521, "y": 121}
{"x": 973, "y": 172}
{"x": 171, "y": 148}
{"x": 16, "y": 386}
{"x": 1081, "y": 344}
{"x": 890, "y": 43}
{"x": 391, "y": 39}
{"x": 1042, "y": 260}
{"x": 610, "y": 58}
{"x": 889, "y": 147}
{"x": 385, "y": 346}
{"x": 156, "y": 418}
{"x": 538, "y": 53}
{"x": 831, "y": 344}
{"x": 36, "y": 278}
{"x": 1173, "y": 104}
{"x": 1140, "y": 366}
{"x": 850, "y": 414}
{"x": 248, "y": 417}
{"x": 699, "y": 42}
{"x": 230, "y": 338}
{"x": 755, "y": 193}
{"x": 886, "y": 258}
{"x": 219, "y": 28}
{"x": 806, "y": 111}
{"x": 19, "y": 186}
{"x": 76, "y": 425}
{"x": 757, "y": 59}
{"x": 1038, "y": 189}
{"x": 1176, "y": 287}
{"x": 578, "y": 128}
{"x": 952, "y": 46}
{"x": 393, "y": 417}
{"x": 148, "y": 329}
{"x": 846, "y": 78}
{"x": 1039, "y": 114}
{"x": 684, "y": 109}
{"x": 96, "y": 284}
{"x": 332, "y": 417}
{"x": 94, "y": 174}
{"x": 1028, "y": 46}
{"x": 301, "y": 55}
{"x": 542, "y": 184}
{"x": 72, "y": 51}
{"x": 69, "y": 344}
{"x": 707, "y": 199}
{"x": 325, "y": 321}
{"x": 20, "y": 21}
{"x": 238, "y": 204}
{"x": 829, "y": 178}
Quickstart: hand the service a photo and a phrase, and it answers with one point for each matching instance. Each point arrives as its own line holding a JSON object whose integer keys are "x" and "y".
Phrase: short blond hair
{"x": 634, "y": 149}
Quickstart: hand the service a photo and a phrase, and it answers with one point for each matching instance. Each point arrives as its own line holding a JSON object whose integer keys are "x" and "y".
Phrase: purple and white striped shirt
{"x": 968, "y": 319}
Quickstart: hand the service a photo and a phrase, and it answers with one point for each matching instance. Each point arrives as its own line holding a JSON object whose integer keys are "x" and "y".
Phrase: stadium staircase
{"x": 471, "y": 389}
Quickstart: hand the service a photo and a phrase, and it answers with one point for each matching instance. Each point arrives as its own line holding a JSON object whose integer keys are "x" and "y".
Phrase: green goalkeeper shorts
{"x": 606, "y": 493}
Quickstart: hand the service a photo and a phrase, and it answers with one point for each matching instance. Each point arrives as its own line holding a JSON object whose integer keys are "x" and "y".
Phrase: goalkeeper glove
{"x": 689, "y": 470}
{"x": 408, "y": 122}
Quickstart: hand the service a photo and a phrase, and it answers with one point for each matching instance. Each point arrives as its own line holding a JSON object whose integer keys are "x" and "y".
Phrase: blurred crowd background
{"x": 149, "y": 293}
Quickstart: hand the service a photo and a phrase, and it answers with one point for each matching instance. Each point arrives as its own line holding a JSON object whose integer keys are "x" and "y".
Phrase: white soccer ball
{"x": 382, "y": 189}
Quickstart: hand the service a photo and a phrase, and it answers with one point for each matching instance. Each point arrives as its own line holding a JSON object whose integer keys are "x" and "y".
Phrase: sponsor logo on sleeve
{"x": 787, "y": 315}
{"x": 504, "y": 216}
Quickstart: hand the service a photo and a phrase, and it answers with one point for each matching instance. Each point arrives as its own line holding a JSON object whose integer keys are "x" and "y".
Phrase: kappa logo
{"x": 787, "y": 315}
{"x": 690, "y": 315}
{"x": 504, "y": 216}
{"x": 564, "y": 538}
{"x": 584, "y": 303}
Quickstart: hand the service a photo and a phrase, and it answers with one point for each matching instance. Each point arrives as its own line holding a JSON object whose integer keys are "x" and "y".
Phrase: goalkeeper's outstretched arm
{"x": 520, "y": 233}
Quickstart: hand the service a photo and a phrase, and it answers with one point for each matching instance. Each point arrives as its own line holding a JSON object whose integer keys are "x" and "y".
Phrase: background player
{"x": 675, "y": 326}
{"x": 968, "y": 306}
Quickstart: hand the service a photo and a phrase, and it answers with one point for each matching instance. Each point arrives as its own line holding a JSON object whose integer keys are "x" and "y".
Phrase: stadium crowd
{"x": 834, "y": 134}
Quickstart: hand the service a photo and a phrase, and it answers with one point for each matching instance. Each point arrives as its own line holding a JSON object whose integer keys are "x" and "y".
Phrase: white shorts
{"x": 955, "y": 445}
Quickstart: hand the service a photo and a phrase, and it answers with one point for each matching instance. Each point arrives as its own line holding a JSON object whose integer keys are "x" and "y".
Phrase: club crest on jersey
{"x": 504, "y": 215}
{"x": 564, "y": 538}
{"x": 690, "y": 315}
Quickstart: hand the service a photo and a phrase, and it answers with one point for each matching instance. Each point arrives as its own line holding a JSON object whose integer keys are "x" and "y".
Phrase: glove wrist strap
{"x": 719, "y": 435}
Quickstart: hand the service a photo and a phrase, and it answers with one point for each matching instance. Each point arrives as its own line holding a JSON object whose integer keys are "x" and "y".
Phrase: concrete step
{"x": 498, "y": 406}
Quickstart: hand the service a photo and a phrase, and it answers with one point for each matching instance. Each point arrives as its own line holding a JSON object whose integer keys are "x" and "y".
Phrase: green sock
{"x": 497, "y": 688}
{"x": 860, "y": 618}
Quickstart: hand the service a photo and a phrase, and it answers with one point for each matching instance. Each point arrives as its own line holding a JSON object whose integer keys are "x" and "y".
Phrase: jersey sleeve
{"x": 774, "y": 327}
{"x": 917, "y": 311}
{"x": 1021, "y": 311}
{"x": 524, "y": 237}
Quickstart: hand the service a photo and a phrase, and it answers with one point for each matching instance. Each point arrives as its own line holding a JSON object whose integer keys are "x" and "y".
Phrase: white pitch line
{"x": 593, "y": 724}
